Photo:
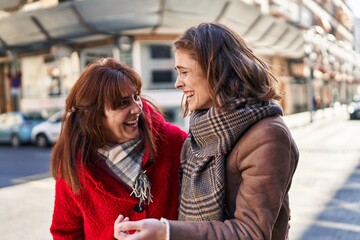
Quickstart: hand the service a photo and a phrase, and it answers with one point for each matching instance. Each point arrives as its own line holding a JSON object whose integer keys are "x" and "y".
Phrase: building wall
{"x": 357, "y": 35}
{"x": 47, "y": 81}
{"x": 50, "y": 76}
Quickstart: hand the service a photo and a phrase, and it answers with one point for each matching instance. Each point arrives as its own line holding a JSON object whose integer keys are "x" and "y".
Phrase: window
{"x": 162, "y": 76}
{"x": 160, "y": 51}
{"x": 157, "y": 65}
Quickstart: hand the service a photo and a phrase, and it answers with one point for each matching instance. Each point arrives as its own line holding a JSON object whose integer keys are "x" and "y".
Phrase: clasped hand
{"x": 146, "y": 229}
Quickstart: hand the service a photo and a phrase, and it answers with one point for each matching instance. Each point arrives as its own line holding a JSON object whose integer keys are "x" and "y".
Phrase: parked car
{"x": 16, "y": 127}
{"x": 46, "y": 133}
{"x": 354, "y": 109}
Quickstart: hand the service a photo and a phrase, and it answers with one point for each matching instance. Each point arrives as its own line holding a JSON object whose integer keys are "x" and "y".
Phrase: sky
{"x": 355, "y": 7}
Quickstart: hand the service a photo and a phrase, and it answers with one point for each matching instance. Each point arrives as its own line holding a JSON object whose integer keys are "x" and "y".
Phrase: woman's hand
{"x": 146, "y": 229}
{"x": 117, "y": 233}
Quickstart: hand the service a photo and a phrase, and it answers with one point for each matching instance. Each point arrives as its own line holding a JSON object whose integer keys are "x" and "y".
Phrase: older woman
{"x": 115, "y": 155}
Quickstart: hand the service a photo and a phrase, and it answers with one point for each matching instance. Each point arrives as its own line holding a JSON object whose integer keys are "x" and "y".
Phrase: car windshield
{"x": 56, "y": 117}
{"x": 33, "y": 116}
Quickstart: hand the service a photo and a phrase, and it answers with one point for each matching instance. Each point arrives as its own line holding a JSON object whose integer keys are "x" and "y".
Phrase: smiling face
{"x": 192, "y": 81}
{"x": 122, "y": 122}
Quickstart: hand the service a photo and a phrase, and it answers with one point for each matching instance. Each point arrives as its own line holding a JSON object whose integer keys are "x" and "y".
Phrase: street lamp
{"x": 312, "y": 43}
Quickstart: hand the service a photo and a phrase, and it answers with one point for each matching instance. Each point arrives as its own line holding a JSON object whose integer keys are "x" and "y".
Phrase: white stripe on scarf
{"x": 124, "y": 160}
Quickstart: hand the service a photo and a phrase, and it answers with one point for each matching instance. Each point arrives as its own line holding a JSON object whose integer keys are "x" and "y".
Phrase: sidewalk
{"x": 325, "y": 194}
{"x": 26, "y": 209}
{"x": 319, "y": 116}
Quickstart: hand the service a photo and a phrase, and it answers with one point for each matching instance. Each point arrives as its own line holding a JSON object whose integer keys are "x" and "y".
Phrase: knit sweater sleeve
{"x": 67, "y": 221}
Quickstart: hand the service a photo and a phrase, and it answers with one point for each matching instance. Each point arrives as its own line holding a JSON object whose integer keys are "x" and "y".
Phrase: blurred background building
{"x": 45, "y": 44}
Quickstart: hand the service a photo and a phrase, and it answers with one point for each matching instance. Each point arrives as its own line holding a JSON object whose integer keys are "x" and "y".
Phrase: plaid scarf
{"x": 124, "y": 160}
{"x": 212, "y": 135}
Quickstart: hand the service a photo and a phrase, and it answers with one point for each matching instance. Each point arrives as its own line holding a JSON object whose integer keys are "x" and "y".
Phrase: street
{"x": 22, "y": 164}
{"x": 324, "y": 198}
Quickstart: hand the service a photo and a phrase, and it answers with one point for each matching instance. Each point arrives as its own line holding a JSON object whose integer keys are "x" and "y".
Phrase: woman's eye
{"x": 137, "y": 97}
{"x": 124, "y": 103}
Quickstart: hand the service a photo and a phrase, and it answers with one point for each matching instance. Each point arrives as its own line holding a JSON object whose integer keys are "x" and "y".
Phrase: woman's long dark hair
{"x": 231, "y": 68}
{"x": 102, "y": 84}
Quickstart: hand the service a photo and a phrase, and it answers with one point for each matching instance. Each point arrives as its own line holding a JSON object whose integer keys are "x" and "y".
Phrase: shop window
{"x": 49, "y": 58}
{"x": 55, "y": 83}
{"x": 299, "y": 93}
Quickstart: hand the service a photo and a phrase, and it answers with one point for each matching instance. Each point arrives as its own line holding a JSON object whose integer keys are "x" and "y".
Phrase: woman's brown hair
{"x": 230, "y": 66}
{"x": 102, "y": 84}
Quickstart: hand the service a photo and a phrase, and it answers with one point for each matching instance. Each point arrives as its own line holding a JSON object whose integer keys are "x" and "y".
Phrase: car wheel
{"x": 357, "y": 115}
{"x": 42, "y": 141}
{"x": 15, "y": 141}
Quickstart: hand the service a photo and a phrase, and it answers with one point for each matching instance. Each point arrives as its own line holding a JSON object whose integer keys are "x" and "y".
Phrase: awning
{"x": 6, "y": 4}
{"x": 83, "y": 21}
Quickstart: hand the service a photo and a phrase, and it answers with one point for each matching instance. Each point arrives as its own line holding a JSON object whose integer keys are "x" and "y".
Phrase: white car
{"x": 46, "y": 133}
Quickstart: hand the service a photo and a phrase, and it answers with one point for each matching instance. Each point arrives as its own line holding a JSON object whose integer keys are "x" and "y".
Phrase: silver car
{"x": 45, "y": 134}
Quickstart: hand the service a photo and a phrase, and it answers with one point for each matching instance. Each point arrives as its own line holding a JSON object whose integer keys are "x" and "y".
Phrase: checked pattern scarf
{"x": 212, "y": 135}
{"x": 124, "y": 160}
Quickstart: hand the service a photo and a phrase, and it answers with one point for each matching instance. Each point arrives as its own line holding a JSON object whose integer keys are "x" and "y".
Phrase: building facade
{"x": 309, "y": 45}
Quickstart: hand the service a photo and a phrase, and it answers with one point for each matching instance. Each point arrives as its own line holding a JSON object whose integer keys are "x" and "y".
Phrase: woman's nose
{"x": 179, "y": 83}
{"x": 136, "y": 107}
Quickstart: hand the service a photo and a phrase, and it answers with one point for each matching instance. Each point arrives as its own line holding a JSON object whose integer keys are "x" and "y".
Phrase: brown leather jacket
{"x": 259, "y": 171}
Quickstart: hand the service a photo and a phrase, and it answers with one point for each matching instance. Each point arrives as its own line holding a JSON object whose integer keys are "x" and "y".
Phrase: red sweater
{"x": 91, "y": 213}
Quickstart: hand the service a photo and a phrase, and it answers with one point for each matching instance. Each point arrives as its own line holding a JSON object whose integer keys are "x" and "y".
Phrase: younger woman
{"x": 239, "y": 159}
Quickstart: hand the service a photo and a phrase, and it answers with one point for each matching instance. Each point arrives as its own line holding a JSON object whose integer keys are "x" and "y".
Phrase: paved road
{"x": 22, "y": 164}
{"x": 325, "y": 195}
